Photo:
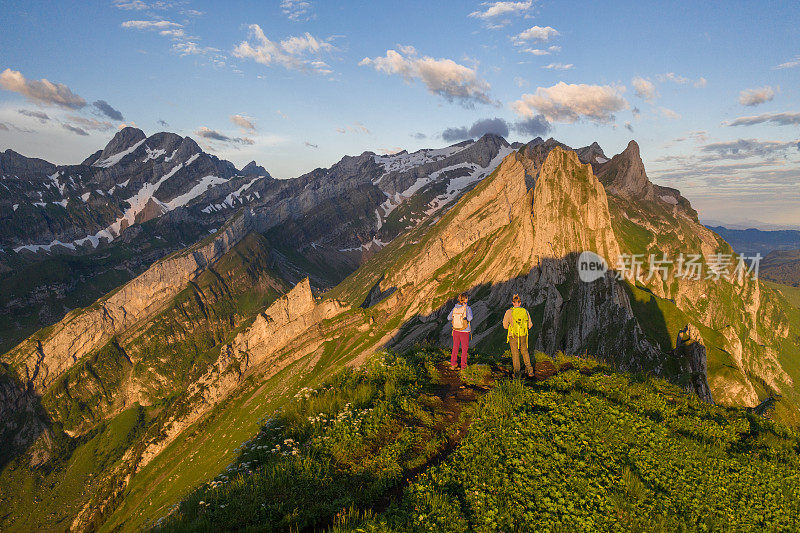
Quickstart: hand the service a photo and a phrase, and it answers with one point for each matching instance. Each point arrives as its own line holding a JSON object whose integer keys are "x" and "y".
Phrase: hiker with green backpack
{"x": 518, "y": 321}
{"x": 460, "y": 317}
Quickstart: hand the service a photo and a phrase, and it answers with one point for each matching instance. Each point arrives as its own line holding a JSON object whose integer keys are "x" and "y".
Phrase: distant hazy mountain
{"x": 749, "y": 241}
{"x": 748, "y": 224}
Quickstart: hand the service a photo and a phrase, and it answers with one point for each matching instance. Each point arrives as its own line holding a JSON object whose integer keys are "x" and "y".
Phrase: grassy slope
{"x": 792, "y": 294}
{"x": 48, "y": 498}
{"x": 360, "y": 433}
{"x": 209, "y": 444}
{"x": 661, "y": 318}
{"x": 605, "y": 452}
{"x": 577, "y": 452}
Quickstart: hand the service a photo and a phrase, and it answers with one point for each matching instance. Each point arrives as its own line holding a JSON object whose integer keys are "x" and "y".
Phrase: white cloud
{"x": 137, "y": 5}
{"x": 175, "y": 34}
{"x": 559, "y": 66}
{"x": 290, "y": 53}
{"x": 355, "y": 127}
{"x": 306, "y": 43}
{"x": 74, "y": 129}
{"x": 150, "y": 24}
{"x": 744, "y": 148}
{"x": 753, "y": 97}
{"x": 681, "y": 80}
{"x": 536, "y": 51}
{"x": 497, "y": 9}
{"x": 792, "y": 63}
{"x": 536, "y": 33}
{"x": 40, "y": 91}
{"x": 781, "y": 119}
{"x": 183, "y": 44}
{"x": 91, "y": 124}
{"x": 297, "y": 10}
{"x": 669, "y": 113}
{"x": 569, "y": 103}
{"x": 245, "y": 123}
{"x": 41, "y": 116}
{"x": 644, "y": 88}
{"x": 214, "y": 135}
{"x": 444, "y": 77}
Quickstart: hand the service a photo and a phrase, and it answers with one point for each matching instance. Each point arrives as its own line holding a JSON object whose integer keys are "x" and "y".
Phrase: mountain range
{"x": 218, "y": 293}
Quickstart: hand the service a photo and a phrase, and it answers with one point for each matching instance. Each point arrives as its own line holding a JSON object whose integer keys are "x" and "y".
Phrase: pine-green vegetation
{"x": 585, "y": 450}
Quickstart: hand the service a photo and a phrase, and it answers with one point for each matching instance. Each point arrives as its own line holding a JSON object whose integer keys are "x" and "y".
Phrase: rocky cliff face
{"x": 502, "y": 239}
{"x": 745, "y": 327}
{"x": 624, "y": 176}
{"x": 43, "y": 358}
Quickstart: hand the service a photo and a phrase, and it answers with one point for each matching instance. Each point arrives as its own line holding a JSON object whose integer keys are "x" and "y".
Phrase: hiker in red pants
{"x": 460, "y": 317}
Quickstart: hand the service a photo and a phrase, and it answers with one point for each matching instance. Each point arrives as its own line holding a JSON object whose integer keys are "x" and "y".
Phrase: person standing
{"x": 460, "y": 317}
{"x": 517, "y": 321}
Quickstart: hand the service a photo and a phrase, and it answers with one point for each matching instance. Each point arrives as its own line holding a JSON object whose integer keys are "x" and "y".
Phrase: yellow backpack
{"x": 519, "y": 323}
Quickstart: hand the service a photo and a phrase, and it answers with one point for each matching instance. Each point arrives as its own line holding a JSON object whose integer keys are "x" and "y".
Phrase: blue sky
{"x": 709, "y": 90}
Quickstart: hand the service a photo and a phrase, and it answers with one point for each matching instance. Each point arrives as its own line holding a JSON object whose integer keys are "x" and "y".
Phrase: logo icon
{"x": 591, "y": 266}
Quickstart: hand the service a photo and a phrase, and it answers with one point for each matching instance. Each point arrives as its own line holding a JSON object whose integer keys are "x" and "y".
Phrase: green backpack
{"x": 519, "y": 323}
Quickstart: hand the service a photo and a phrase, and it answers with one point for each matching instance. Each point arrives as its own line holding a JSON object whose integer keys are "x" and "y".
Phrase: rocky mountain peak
{"x": 253, "y": 169}
{"x": 191, "y": 146}
{"x": 491, "y": 138}
{"x": 163, "y": 138}
{"x": 625, "y": 176}
{"x": 122, "y": 140}
{"x": 571, "y": 209}
{"x": 12, "y": 162}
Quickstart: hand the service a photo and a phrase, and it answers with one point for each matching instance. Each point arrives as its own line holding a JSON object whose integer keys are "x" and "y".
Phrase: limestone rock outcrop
{"x": 44, "y": 357}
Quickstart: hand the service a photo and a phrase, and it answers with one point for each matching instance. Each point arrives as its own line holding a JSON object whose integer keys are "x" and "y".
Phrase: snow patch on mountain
{"x": 116, "y": 158}
{"x": 44, "y": 247}
{"x": 153, "y": 154}
{"x": 405, "y": 161}
{"x": 230, "y": 200}
{"x": 61, "y": 187}
{"x": 457, "y": 185}
{"x": 454, "y": 188}
{"x": 205, "y": 183}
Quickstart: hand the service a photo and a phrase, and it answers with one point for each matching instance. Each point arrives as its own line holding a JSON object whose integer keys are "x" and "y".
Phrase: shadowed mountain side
{"x": 25, "y": 423}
